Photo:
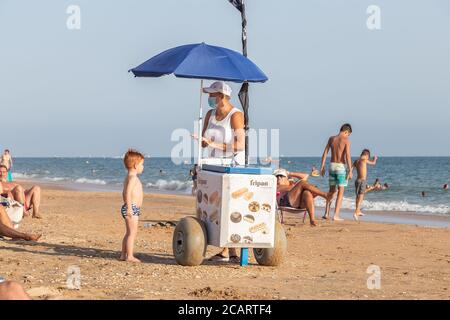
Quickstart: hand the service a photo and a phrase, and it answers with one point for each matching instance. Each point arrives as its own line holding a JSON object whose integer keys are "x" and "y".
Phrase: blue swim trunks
{"x": 337, "y": 175}
{"x": 136, "y": 211}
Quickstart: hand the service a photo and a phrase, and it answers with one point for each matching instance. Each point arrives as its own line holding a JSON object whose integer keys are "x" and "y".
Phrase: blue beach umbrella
{"x": 201, "y": 61}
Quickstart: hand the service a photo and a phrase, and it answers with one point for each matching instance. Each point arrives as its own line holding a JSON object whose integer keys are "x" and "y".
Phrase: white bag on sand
{"x": 14, "y": 210}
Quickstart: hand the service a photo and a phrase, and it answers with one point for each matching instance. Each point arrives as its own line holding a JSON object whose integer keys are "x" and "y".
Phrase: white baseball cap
{"x": 218, "y": 86}
{"x": 280, "y": 172}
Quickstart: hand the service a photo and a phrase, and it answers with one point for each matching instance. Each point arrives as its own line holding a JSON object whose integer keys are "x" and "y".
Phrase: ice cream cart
{"x": 235, "y": 205}
{"x": 236, "y": 208}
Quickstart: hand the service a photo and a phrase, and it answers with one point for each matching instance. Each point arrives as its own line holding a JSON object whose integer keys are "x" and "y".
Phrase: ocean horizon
{"x": 407, "y": 177}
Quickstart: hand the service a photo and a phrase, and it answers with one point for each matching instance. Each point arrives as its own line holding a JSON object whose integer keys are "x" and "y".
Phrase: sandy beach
{"x": 85, "y": 229}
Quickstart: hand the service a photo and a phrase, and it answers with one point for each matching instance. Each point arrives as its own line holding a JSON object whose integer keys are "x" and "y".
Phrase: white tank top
{"x": 221, "y": 132}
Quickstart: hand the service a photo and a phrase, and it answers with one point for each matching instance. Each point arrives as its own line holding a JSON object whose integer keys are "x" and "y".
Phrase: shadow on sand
{"x": 70, "y": 250}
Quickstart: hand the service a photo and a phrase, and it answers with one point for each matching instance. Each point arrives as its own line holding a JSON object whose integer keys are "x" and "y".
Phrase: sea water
{"x": 406, "y": 176}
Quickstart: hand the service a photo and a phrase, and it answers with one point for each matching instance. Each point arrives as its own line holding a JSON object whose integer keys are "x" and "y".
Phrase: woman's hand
{"x": 205, "y": 141}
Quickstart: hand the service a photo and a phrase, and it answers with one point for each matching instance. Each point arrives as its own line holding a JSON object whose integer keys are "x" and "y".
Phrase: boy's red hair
{"x": 132, "y": 158}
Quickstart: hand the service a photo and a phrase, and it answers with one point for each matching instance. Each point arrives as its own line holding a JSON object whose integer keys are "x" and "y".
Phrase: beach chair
{"x": 281, "y": 210}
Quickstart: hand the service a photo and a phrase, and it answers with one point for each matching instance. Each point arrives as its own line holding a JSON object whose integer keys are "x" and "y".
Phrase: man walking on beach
{"x": 340, "y": 170}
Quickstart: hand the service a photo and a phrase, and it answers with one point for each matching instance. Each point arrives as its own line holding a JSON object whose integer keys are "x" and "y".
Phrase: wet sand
{"x": 85, "y": 229}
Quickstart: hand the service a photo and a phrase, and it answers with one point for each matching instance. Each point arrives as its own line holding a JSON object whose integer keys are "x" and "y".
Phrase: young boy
{"x": 132, "y": 198}
{"x": 338, "y": 175}
{"x": 361, "y": 182}
{"x": 7, "y": 162}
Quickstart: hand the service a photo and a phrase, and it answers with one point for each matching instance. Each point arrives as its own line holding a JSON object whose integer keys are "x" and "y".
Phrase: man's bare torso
{"x": 338, "y": 145}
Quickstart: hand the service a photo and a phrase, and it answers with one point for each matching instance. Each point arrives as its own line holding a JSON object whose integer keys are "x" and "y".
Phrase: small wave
{"x": 401, "y": 206}
{"x": 90, "y": 181}
{"x": 171, "y": 185}
{"x": 20, "y": 175}
{"x": 54, "y": 179}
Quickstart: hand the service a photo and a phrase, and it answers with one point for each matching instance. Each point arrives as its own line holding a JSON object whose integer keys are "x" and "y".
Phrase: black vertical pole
{"x": 243, "y": 93}
{"x": 244, "y": 30}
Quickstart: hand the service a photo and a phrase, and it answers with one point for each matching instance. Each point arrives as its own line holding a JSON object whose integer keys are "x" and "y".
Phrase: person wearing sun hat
{"x": 295, "y": 192}
{"x": 224, "y": 136}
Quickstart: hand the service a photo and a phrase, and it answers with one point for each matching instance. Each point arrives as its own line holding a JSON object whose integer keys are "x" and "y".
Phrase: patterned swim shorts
{"x": 136, "y": 211}
{"x": 337, "y": 175}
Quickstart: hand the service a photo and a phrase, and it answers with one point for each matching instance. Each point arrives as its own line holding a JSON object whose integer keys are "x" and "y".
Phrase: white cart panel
{"x": 238, "y": 209}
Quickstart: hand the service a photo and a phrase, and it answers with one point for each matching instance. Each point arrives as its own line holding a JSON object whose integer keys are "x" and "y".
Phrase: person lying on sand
{"x": 10, "y": 290}
{"x": 30, "y": 198}
{"x": 298, "y": 194}
{"x": 6, "y": 229}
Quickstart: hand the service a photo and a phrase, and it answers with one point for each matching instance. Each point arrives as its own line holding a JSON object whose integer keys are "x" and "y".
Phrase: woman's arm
{"x": 299, "y": 175}
{"x": 237, "y": 124}
{"x": 205, "y": 126}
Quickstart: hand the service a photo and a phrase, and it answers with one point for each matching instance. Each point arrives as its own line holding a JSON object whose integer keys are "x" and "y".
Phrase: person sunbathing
{"x": 6, "y": 229}
{"x": 30, "y": 198}
{"x": 298, "y": 194}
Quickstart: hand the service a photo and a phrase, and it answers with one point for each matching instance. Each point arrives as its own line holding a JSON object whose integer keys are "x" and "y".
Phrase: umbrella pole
{"x": 200, "y": 127}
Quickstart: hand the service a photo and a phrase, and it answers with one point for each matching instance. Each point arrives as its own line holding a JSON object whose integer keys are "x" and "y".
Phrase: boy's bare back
{"x": 133, "y": 186}
{"x": 361, "y": 168}
{"x": 338, "y": 145}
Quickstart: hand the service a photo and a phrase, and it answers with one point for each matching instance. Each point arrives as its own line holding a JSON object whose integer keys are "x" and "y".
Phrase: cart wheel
{"x": 273, "y": 256}
{"x": 189, "y": 242}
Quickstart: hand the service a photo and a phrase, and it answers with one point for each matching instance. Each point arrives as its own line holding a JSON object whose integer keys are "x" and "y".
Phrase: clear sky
{"x": 68, "y": 93}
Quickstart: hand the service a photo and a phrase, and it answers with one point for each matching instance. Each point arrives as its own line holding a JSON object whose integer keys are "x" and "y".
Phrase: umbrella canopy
{"x": 201, "y": 61}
